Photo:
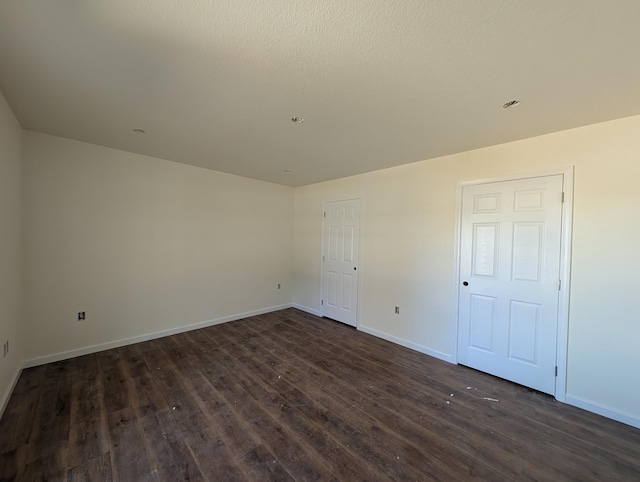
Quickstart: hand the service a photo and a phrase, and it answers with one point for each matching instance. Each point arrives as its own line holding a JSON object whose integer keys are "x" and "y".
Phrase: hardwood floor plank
{"x": 547, "y": 453}
{"x": 290, "y": 396}
{"x": 349, "y": 431}
{"x": 86, "y": 436}
{"x": 9, "y": 465}
{"x": 115, "y": 391}
{"x": 149, "y": 397}
{"x": 94, "y": 469}
{"x": 172, "y": 458}
{"x": 130, "y": 458}
{"x": 252, "y": 458}
{"x": 48, "y": 467}
{"x": 213, "y": 458}
{"x": 43, "y": 455}
{"x": 389, "y": 385}
{"x": 337, "y": 394}
{"x": 261, "y": 458}
{"x": 295, "y": 460}
{"x": 234, "y": 434}
{"x": 343, "y": 465}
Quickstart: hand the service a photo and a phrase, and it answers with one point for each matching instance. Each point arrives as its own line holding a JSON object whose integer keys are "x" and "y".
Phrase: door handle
{"x": 354, "y": 268}
{"x": 465, "y": 283}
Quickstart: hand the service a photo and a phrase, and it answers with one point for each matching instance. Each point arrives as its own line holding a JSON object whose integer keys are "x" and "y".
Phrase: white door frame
{"x": 359, "y": 291}
{"x": 565, "y": 266}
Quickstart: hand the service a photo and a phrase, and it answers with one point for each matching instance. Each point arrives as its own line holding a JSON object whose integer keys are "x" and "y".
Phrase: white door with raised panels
{"x": 510, "y": 281}
{"x": 340, "y": 257}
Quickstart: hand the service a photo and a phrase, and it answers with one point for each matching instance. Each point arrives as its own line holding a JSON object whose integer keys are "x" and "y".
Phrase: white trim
{"x": 7, "y": 394}
{"x": 306, "y": 309}
{"x": 456, "y": 274}
{"x": 149, "y": 336}
{"x": 516, "y": 176}
{"x": 407, "y": 344}
{"x": 562, "y": 342}
{"x": 604, "y": 410}
{"x": 321, "y": 305}
{"x": 360, "y": 200}
{"x": 360, "y": 263}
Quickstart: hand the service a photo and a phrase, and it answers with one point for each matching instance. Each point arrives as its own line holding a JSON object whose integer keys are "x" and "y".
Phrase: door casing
{"x": 565, "y": 266}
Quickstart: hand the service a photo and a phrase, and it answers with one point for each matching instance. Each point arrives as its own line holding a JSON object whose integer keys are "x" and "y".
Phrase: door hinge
{"x": 325, "y": 214}
{"x": 556, "y": 371}
{"x": 322, "y": 302}
{"x": 559, "y": 284}
{"x": 562, "y": 197}
{"x": 323, "y": 258}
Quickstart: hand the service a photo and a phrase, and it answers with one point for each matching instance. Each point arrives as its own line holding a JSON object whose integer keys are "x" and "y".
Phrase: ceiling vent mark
{"x": 511, "y": 103}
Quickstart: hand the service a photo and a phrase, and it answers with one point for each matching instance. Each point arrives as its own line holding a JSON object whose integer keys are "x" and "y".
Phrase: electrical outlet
{"x": 397, "y": 310}
{"x": 82, "y": 315}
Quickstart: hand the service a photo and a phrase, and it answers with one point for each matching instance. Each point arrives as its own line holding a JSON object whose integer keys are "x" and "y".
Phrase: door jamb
{"x": 360, "y": 200}
{"x": 562, "y": 341}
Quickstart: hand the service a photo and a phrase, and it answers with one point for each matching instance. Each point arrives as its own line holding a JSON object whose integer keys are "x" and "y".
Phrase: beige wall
{"x": 10, "y": 248}
{"x": 409, "y": 245}
{"x": 144, "y": 245}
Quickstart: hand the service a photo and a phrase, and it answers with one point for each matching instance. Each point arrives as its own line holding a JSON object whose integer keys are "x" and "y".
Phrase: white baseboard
{"x": 609, "y": 412}
{"x": 612, "y": 413}
{"x": 407, "y": 344}
{"x": 605, "y": 411}
{"x": 311, "y": 311}
{"x": 42, "y": 360}
{"x": 7, "y": 393}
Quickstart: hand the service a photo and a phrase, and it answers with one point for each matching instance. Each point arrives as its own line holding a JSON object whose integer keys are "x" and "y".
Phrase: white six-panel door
{"x": 509, "y": 275}
{"x": 340, "y": 255}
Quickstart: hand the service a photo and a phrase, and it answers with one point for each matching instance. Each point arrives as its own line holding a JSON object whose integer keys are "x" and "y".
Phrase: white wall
{"x": 10, "y": 249}
{"x": 408, "y": 251}
{"x": 144, "y": 245}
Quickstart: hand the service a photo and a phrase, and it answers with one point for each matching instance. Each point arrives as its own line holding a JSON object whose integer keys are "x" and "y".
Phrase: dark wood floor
{"x": 288, "y": 396}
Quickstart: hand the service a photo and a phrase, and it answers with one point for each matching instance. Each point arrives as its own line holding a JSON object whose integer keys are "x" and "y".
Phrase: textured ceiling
{"x": 379, "y": 83}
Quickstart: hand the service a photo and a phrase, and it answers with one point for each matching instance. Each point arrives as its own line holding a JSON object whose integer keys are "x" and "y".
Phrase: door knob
{"x": 354, "y": 268}
{"x": 466, "y": 283}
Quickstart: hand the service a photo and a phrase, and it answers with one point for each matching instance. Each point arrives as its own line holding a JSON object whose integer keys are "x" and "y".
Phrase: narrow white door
{"x": 509, "y": 275}
{"x": 340, "y": 250}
